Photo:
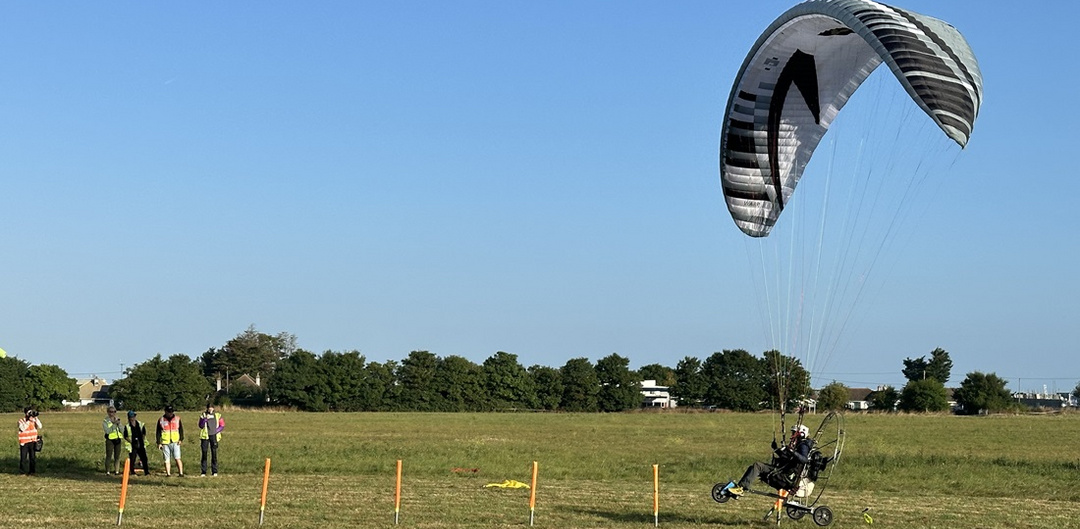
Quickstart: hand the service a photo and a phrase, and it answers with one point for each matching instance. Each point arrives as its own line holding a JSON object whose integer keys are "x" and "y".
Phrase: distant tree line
{"x": 423, "y": 381}
{"x": 43, "y": 386}
{"x": 925, "y": 390}
{"x": 347, "y": 381}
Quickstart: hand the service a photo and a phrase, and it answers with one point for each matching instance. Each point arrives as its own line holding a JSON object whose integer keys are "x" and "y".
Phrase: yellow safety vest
{"x": 205, "y": 432}
{"x": 129, "y": 435}
{"x": 112, "y": 429}
{"x": 170, "y": 430}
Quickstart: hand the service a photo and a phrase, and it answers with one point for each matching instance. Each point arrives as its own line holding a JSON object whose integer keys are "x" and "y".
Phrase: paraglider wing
{"x": 801, "y": 72}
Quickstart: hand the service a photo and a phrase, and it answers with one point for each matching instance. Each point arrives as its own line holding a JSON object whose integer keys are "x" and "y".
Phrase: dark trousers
{"x": 753, "y": 472}
{"x": 139, "y": 452}
{"x": 27, "y": 454}
{"x": 209, "y": 445}
{"x": 112, "y": 455}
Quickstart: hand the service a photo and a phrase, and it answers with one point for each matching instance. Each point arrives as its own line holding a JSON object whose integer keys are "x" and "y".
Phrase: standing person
{"x": 210, "y": 426}
{"x": 29, "y": 427}
{"x": 135, "y": 437}
{"x": 170, "y": 433}
{"x": 114, "y": 439}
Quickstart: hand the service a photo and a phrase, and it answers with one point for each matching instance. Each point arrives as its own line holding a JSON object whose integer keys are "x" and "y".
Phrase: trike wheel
{"x": 823, "y": 516}
{"x": 719, "y": 493}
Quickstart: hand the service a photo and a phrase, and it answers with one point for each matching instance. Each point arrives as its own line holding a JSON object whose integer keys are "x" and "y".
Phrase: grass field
{"x": 337, "y": 470}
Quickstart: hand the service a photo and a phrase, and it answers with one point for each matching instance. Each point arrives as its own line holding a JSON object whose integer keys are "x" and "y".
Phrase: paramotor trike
{"x": 799, "y": 486}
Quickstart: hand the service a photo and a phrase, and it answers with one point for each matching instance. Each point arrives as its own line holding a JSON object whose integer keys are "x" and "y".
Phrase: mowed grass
{"x": 337, "y": 470}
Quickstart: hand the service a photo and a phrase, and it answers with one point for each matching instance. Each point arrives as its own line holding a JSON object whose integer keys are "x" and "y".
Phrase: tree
{"x": 663, "y": 375}
{"x": 250, "y": 352}
{"x": 508, "y": 384}
{"x": 344, "y": 374}
{"x": 549, "y": 386}
{"x": 380, "y": 384}
{"x": 49, "y": 386}
{"x": 939, "y": 367}
{"x": 690, "y": 385}
{"x": 14, "y": 390}
{"x": 834, "y": 396}
{"x": 620, "y": 388}
{"x": 735, "y": 380}
{"x": 151, "y": 385}
{"x": 580, "y": 385}
{"x": 883, "y": 399}
{"x": 1076, "y": 391}
{"x": 787, "y": 373}
{"x": 416, "y": 377}
{"x": 460, "y": 381}
{"x": 980, "y": 393}
{"x": 300, "y": 381}
{"x": 924, "y": 395}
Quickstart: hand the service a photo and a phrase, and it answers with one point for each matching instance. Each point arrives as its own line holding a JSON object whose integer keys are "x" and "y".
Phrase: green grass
{"x": 337, "y": 470}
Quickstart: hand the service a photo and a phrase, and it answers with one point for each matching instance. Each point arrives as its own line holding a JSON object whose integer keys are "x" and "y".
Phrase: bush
{"x": 980, "y": 393}
{"x": 833, "y": 396}
{"x": 924, "y": 396}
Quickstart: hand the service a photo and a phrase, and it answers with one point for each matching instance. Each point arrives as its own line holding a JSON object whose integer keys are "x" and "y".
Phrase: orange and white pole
{"x": 656, "y": 495}
{"x": 532, "y": 495}
{"x": 397, "y": 493}
{"x": 778, "y": 506}
{"x": 266, "y": 481}
{"x": 123, "y": 491}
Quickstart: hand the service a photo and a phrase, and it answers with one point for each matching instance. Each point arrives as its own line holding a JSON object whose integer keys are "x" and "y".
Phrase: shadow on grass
{"x": 635, "y": 517}
{"x": 67, "y": 468}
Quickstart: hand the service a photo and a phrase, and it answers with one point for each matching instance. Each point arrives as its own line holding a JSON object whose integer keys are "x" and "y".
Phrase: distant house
{"x": 244, "y": 380}
{"x": 656, "y": 396}
{"x": 950, "y": 397}
{"x": 1044, "y": 400}
{"x": 857, "y": 399}
{"x": 92, "y": 391}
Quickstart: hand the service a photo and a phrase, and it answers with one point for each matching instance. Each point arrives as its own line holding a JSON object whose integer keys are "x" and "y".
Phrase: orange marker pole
{"x": 656, "y": 495}
{"x": 266, "y": 481}
{"x": 779, "y": 505}
{"x": 532, "y": 495}
{"x": 123, "y": 491}
{"x": 397, "y": 493}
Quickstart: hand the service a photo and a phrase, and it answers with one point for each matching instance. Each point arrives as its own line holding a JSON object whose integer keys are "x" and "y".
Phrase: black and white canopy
{"x": 801, "y": 72}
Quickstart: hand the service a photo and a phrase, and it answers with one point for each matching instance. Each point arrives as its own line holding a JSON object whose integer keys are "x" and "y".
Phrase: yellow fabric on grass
{"x": 508, "y": 484}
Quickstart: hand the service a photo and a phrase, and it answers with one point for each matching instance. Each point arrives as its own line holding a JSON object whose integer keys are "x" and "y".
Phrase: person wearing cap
{"x": 29, "y": 428}
{"x": 113, "y": 441}
{"x": 135, "y": 441}
{"x": 796, "y": 452}
{"x": 210, "y": 426}
{"x": 170, "y": 433}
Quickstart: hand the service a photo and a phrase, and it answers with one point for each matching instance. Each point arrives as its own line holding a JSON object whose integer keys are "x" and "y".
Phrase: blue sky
{"x": 473, "y": 177}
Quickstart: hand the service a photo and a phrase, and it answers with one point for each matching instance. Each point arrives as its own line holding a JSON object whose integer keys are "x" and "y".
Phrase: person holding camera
{"x": 114, "y": 440}
{"x": 210, "y": 424}
{"x": 29, "y": 426}
{"x": 135, "y": 438}
{"x": 170, "y": 433}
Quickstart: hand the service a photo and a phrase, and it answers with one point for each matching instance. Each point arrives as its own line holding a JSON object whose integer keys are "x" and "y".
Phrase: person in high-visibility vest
{"x": 170, "y": 433}
{"x": 114, "y": 441}
{"x": 135, "y": 439}
{"x": 29, "y": 428}
{"x": 210, "y": 426}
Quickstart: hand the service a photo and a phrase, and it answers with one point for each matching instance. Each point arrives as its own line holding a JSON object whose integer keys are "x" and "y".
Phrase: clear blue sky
{"x": 470, "y": 177}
